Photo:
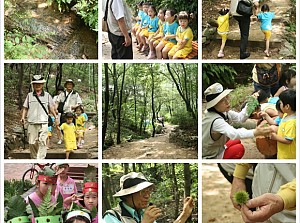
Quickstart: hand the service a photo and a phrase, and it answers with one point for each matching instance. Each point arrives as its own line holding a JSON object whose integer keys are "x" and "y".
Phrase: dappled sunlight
{"x": 56, "y": 21}
{"x": 42, "y": 5}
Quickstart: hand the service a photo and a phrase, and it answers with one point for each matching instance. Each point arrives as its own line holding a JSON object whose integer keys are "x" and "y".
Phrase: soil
{"x": 157, "y": 147}
{"x": 216, "y": 203}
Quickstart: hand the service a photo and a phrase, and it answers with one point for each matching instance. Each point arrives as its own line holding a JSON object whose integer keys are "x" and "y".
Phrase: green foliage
{"x": 21, "y": 46}
{"x": 16, "y": 207}
{"x": 13, "y": 188}
{"x": 90, "y": 174}
{"x": 88, "y": 10}
{"x": 183, "y": 119}
{"x": 241, "y": 197}
{"x": 212, "y": 73}
{"x": 252, "y": 104}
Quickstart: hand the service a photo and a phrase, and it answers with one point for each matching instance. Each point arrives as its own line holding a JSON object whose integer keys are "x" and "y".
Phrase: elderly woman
{"x": 135, "y": 207}
{"x": 219, "y": 138}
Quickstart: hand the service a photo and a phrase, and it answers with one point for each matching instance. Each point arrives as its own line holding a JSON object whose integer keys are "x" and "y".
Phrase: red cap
{"x": 90, "y": 187}
{"x": 48, "y": 179}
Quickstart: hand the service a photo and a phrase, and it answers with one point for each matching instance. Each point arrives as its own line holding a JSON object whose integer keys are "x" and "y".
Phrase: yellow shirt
{"x": 161, "y": 27}
{"x": 69, "y": 136}
{"x": 186, "y": 34}
{"x": 223, "y": 22}
{"x": 287, "y": 130}
{"x": 80, "y": 122}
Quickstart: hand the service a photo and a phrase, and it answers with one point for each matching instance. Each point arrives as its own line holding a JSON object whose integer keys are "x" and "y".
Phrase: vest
{"x": 121, "y": 214}
{"x": 36, "y": 113}
{"x": 268, "y": 177}
{"x": 211, "y": 147}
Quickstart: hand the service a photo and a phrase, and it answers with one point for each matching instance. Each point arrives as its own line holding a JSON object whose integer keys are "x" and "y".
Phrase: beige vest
{"x": 124, "y": 219}
{"x": 212, "y": 143}
{"x": 36, "y": 114}
{"x": 113, "y": 23}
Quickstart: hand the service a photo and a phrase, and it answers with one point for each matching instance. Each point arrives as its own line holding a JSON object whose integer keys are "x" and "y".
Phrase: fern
{"x": 16, "y": 207}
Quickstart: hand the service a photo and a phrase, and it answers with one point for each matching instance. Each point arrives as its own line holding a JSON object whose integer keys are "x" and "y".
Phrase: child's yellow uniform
{"x": 287, "y": 130}
{"x": 223, "y": 26}
{"x": 79, "y": 121}
{"x": 69, "y": 136}
{"x": 186, "y": 34}
{"x": 161, "y": 31}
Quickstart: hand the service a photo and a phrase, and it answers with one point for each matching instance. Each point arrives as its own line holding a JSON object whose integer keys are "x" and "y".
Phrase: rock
{"x": 158, "y": 129}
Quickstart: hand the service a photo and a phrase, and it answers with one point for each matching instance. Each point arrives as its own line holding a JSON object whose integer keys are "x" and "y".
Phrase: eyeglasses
{"x": 146, "y": 191}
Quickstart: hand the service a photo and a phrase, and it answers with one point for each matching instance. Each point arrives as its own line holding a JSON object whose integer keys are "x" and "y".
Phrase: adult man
{"x": 244, "y": 25}
{"x": 274, "y": 192}
{"x": 37, "y": 117}
{"x": 119, "y": 28}
{"x": 135, "y": 195}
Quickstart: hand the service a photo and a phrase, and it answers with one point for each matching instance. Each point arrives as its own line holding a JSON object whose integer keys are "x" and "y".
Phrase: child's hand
{"x": 262, "y": 114}
{"x": 77, "y": 197}
{"x": 274, "y": 129}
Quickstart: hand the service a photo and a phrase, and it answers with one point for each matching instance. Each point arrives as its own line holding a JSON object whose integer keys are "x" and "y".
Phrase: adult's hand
{"x": 127, "y": 41}
{"x": 266, "y": 205}
{"x": 151, "y": 214}
{"x": 262, "y": 131}
{"x": 188, "y": 205}
{"x": 237, "y": 185}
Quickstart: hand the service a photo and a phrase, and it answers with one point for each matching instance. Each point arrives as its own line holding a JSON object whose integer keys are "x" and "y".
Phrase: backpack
{"x": 267, "y": 77}
{"x": 113, "y": 213}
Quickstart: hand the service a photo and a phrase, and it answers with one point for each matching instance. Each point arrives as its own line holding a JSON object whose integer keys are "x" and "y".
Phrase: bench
{"x": 194, "y": 53}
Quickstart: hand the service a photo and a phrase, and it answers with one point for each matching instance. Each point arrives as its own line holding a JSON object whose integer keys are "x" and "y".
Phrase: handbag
{"x": 50, "y": 121}
{"x": 61, "y": 105}
{"x": 104, "y": 19}
{"x": 267, "y": 77}
{"x": 244, "y": 7}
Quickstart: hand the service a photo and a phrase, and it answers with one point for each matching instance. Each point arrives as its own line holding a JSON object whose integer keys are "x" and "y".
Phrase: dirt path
{"x": 157, "y": 147}
{"x": 216, "y": 204}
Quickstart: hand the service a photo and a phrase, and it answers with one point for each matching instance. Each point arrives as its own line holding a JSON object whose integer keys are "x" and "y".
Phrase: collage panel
{"x": 150, "y": 111}
{"x": 253, "y": 29}
{"x": 249, "y": 110}
{"x": 51, "y": 111}
{"x": 51, "y": 192}
{"x": 150, "y": 192}
{"x": 150, "y": 29}
{"x": 252, "y": 192}
{"x": 50, "y": 30}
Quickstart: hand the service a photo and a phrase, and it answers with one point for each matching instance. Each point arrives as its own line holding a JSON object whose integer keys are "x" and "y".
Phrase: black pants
{"x": 118, "y": 50}
{"x": 244, "y": 25}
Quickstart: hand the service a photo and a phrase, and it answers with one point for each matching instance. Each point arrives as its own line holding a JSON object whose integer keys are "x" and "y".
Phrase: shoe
{"x": 59, "y": 142}
{"x": 244, "y": 55}
{"x": 144, "y": 48}
{"x": 267, "y": 53}
{"x": 151, "y": 55}
{"x": 82, "y": 141}
{"x": 220, "y": 54}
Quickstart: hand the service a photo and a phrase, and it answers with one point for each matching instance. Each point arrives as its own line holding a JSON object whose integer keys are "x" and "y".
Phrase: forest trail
{"x": 157, "y": 147}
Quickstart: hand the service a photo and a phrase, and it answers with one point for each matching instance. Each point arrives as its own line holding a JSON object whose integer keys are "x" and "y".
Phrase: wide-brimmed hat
{"x": 77, "y": 213}
{"x": 38, "y": 79}
{"x": 214, "y": 93}
{"x": 131, "y": 183}
{"x": 69, "y": 81}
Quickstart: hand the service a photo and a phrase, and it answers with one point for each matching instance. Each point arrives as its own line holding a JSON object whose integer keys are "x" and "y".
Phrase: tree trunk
{"x": 20, "y": 85}
{"x": 106, "y": 104}
{"x": 107, "y": 192}
{"x": 187, "y": 180}
{"x": 175, "y": 190}
{"x": 58, "y": 75}
{"x": 95, "y": 88}
{"x": 120, "y": 108}
{"x": 126, "y": 168}
{"x": 153, "y": 107}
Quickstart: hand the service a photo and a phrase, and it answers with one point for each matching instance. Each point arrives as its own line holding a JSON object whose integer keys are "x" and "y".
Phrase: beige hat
{"x": 69, "y": 81}
{"x": 38, "y": 79}
{"x": 78, "y": 213}
{"x": 131, "y": 183}
{"x": 214, "y": 93}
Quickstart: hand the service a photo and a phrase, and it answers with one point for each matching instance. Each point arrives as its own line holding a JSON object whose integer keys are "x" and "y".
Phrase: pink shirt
{"x": 95, "y": 220}
{"x": 36, "y": 199}
{"x": 66, "y": 189}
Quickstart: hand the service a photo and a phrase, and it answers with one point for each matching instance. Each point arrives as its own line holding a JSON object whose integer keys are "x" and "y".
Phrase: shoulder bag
{"x": 244, "y": 7}
{"x": 50, "y": 122}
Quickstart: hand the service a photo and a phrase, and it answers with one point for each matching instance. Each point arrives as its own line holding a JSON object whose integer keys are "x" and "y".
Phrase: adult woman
{"x": 217, "y": 130}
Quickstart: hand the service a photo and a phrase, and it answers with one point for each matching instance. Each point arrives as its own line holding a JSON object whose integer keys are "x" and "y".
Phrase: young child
{"x": 138, "y": 18}
{"x": 265, "y": 16}
{"x": 59, "y": 90}
{"x": 50, "y": 131}
{"x": 79, "y": 123}
{"x": 169, "y": 39}
{"x": 223, "y": 29}
{"x": 144, "y": 24}
{"x": 272, "y": 121}
{"x": 45, "y": 179}
{"x": 286, "y": 135}
{"x": 184, "y": 38}
{"x": 66, "y": 186}
{"x": 288, "y": 80}
{"x": 157, "y": 37}
{"x": 85, "y": 126}
{"x": 152, "y": 27}
{"x": 78, "y": 216}
{"x": 69, "y": 134}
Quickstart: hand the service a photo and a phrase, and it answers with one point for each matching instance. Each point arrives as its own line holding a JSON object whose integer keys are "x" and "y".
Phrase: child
{"x": 78, "y": 216}
{"x": 288, "y": 81}
{"x": 44, "y": 180}
{"x": 157, "y": 37}
{"x": 138, "y": 18}
{"x": 79, "y": 122}
{"x": 271, "y": 121}
{"x": 169, "y": 39}
{"x": 65, "y": 184}
{"x": 85, "y": 126}
{"x": 152, "y": 27}
{"x": 59, "y": 90}
{"x": 223, "y": 29}
{"x": 286, "y": 135}
{"x": 50, "y": 131}
{"x": 265, "y": 16}
{"x": 69, "y": 134}
{"x": 144, "y": 24}
{"x": 184, "y": 38}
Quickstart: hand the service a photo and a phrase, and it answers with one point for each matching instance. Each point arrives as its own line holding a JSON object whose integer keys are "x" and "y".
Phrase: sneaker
{"x": 220, "y": 54}
{"x": 59, "y": 142}
{"x": 82, "y": 141}
{"x": 151, "y": 55}
{"x": 79, "y": 146}
{"x": 144, "y": 48}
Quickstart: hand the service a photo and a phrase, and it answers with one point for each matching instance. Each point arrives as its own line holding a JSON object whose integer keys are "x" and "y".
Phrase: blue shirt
{"x": 277, "y": 120}
{"x": 171, "y": 29}
{"x": 153, "y": 25}
{"x": 145, "y": 21}
{"x": 140, "y": 14}
{"x": 266, "y": 20}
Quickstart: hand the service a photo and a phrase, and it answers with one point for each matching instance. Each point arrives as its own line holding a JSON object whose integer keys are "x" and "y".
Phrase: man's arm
{"x": 122, "y": 25}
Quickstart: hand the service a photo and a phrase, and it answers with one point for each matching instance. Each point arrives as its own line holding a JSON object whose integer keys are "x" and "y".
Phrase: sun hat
{"x": 214, "y": 93}
{"x": 131, "y": 183}
{"x": 77, "y": 213}
{"x": 69, "y": 81}
{"x": 38, "y": 79}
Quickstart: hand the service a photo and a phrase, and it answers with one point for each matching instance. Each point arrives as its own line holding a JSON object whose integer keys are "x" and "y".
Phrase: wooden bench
{"x": 194, "y": 53}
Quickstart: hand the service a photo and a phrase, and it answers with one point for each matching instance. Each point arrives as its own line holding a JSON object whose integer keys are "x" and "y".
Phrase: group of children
{"x": 160, "y": 32}
{"x": 61, "y": 183}
{"x": 265, "y": 17}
